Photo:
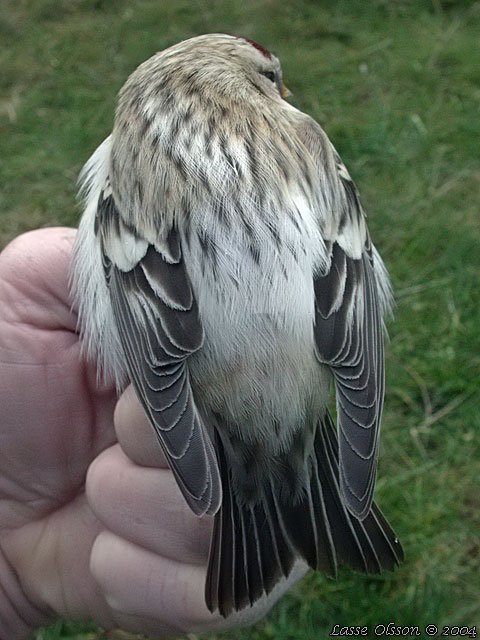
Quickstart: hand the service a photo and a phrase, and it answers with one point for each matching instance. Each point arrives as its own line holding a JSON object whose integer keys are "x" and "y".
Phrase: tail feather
{"x": 228, "y": 552}
{"x": 281, "y": 544}
{"x": 254, "y": 566}
{"x": 392, "y": 554}
{"x": 348, "y": 546}
{"x": 352, "y": 544}
{"x": 327, "y": 559}
{"x": 375, "y": 533}
{"x": 270, "y": 570}
{"x": 241, "y": 587}
{"x": 213, "y": 573}
{"x": 254, "y": 545}
{"x": 299, "y": 526}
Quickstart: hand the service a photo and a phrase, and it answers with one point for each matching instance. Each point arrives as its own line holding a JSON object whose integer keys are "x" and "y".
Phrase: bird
{"x": 224, "y": 267}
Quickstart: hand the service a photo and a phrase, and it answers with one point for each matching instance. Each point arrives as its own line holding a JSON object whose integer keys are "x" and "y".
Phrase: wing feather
{"x": 159, "y": 327}
{"x": 348, "y": 336}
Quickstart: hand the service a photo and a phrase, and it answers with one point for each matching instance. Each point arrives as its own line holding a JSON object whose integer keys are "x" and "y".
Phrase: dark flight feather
{"x": 159, "y": 327}
{"x": 349, "y": 340}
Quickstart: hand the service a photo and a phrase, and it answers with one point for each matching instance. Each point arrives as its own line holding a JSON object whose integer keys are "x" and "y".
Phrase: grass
{"x": 396, "y": 85}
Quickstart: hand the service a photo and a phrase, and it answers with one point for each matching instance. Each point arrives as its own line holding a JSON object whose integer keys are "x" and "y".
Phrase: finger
{"x": 135, "y": 433}
{"x": 138, "y": 583}
{"x": 44, "y": 256}
{"x": 145, "y": 506}
{"x": 159, "y": 596}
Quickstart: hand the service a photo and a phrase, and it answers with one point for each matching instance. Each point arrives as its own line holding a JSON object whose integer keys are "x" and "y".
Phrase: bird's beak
{"x": 285, "y": 91}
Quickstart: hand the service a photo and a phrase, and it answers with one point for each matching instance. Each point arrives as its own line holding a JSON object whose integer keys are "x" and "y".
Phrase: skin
{"x": 91, "y": 520}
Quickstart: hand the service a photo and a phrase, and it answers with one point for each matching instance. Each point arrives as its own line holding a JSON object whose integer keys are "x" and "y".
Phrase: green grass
{"x": 396, "y": 85}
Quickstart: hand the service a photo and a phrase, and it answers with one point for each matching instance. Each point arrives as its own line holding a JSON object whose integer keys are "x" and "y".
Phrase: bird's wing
{"x": 159, "y": 327}
{"x": 349, "y": 298}
{"x": 349, "y": 340}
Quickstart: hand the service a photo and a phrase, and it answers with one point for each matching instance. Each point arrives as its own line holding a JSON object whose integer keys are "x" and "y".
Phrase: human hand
{"x": 55, "y": 420}
{"x": 127, "y": 552}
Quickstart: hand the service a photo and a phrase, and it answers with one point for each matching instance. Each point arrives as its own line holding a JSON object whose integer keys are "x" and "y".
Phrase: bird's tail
{"x": 254, "y": 546}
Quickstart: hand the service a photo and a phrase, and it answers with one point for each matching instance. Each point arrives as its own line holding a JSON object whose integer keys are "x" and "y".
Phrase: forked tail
{"x": 253, "y": 546}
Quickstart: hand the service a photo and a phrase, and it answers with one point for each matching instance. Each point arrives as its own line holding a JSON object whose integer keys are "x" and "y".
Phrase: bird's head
{"x": 214, "y": 68}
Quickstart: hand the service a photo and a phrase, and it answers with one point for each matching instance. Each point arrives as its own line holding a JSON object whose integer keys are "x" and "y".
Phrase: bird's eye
{"x": 270, "y": 75}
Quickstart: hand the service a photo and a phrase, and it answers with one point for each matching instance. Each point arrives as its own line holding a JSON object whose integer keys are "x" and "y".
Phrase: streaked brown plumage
{"x": 223, "y": 265}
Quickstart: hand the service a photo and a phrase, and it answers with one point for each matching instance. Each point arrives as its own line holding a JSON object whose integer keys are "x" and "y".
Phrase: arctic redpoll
{"x": 223, "y": 265}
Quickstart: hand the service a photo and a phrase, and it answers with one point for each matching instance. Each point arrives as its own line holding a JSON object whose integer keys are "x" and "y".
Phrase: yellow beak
{"x": 286, "y": 92}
